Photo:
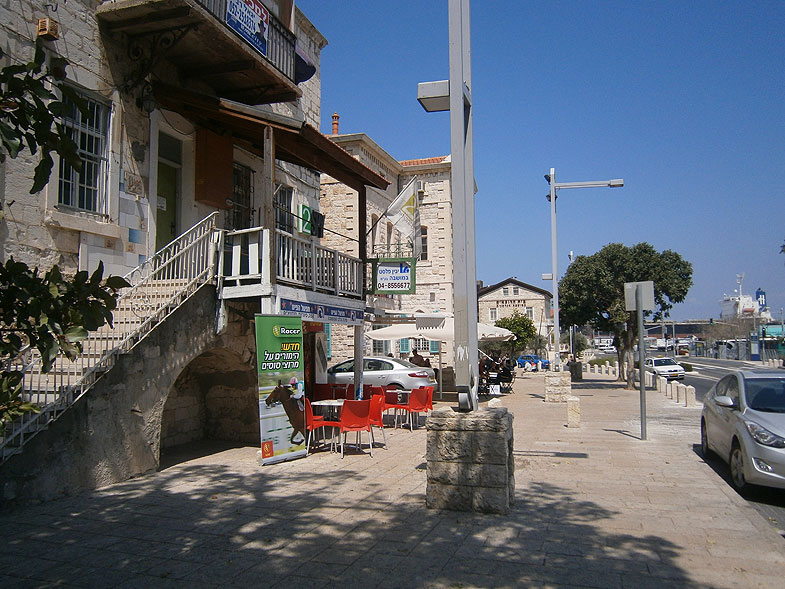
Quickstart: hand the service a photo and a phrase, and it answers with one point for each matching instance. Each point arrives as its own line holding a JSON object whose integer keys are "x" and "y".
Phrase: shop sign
{"x": 280, "y": 373}
{"x": 251, "y": 20}
{"x": 394, "y": 276}
{"x": 322, "y": 313}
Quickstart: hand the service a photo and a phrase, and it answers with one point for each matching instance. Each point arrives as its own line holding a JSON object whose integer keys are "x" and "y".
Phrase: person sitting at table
{"x": 418, "y": 360}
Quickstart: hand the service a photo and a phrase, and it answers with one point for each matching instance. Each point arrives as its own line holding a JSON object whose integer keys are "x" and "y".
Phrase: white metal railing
{"x": 158, "y": 287}
{"x": 297, "y": 261}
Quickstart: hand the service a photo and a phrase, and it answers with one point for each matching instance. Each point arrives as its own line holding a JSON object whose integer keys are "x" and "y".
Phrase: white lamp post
{"x": 455, "y": 95}
{"x": 551, "y": 178}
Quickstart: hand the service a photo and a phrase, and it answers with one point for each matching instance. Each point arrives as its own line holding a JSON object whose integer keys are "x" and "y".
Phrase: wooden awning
{"x": 295, "y": 141}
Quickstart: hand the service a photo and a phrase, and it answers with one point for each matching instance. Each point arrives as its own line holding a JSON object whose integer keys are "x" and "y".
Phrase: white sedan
{"x": 665, "y": 367}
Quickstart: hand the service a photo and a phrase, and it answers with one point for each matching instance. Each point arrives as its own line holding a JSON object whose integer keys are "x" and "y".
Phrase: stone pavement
{"x": 595, "y": 507}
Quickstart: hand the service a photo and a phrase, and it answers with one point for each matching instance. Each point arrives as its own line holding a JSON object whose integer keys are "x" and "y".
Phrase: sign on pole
{"x": 639, "y": 296}
{"x": 647, "y": 295}
{"x": 394, "y": 276}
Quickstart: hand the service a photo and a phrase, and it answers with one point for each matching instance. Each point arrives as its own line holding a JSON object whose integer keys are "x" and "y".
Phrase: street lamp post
{"x": 551, "y": 178}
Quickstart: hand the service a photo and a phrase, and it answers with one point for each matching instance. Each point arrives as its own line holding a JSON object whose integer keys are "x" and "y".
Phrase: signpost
{"x": 394, "y": 276}
{"x": 639, "y": 296}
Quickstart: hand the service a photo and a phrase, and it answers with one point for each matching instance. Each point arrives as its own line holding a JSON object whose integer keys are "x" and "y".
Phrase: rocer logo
{"x": 279, "y": 331}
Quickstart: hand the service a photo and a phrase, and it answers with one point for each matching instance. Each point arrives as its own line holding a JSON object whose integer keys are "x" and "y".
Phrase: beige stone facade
{"x": 124, "y": 225}
{"x": 433, "y": 270}
{"x": 500, "y": 300}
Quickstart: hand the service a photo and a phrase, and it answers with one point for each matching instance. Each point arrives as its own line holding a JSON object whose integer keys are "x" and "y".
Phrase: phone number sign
{"x": 394, "y": 276}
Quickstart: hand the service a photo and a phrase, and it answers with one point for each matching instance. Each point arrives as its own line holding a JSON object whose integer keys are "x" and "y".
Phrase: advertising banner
{"x": 322, "y": 313}
{"x": 251, "y": 20}
{"x": 279, "y": 353}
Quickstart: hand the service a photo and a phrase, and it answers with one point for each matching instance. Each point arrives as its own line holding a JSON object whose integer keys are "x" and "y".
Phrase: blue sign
{"x": 323, "y": 313}
{"x": 251, "y": 20}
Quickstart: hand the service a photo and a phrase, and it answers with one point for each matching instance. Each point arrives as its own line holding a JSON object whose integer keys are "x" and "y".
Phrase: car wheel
{"x": 737, "y": 467}
{"x": 705, "y": 450}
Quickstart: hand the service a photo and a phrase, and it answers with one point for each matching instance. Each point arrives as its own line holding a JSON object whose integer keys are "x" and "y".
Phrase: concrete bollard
{"x": 573, "y": 411}
{"x": 681, "y": 393}
{"x": 689, "y": 396}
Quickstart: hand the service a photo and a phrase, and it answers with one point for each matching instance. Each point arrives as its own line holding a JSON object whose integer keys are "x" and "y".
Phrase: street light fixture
{"x": 551, "y": 178}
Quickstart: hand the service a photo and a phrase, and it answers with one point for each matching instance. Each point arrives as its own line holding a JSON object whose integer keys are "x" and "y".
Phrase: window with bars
{"x": 380, "y": 347}
{"x": 282, "y": 202}
{"x": 240, "y": 214}
{"x": 422, "y": 345}
{"x": 86, "y": 189}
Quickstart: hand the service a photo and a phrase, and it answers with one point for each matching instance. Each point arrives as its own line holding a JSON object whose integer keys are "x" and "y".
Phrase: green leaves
{"x": 52, "y": 314}
{"x": 31, "y": 114}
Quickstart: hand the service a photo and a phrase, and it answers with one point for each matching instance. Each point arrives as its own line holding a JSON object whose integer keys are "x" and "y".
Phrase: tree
{"x": 521, "y": 326}
{"x": 592, "y": 291}
{"x": 50, "y": 313}
{"x": 31, "y": 113}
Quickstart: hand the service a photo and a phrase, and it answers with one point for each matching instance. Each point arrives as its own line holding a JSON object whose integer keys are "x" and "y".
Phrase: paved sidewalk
{"x": 595, "y": 507}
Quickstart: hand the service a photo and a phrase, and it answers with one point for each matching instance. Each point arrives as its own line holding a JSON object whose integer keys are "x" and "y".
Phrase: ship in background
{"x": 741, "y": 305}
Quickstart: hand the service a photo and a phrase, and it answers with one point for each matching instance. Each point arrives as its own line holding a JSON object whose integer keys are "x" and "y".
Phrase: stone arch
{"x": 213, "y": 398}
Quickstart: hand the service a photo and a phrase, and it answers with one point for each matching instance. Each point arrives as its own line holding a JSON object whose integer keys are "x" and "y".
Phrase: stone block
{"x": 450, "y": 445}
{"x": 680, "y": 393}
{"x": 557, "y": 387}
{"x": 573, "y": 411}
{"x": 445, "y": 496}
{"x": 491, "y": 500}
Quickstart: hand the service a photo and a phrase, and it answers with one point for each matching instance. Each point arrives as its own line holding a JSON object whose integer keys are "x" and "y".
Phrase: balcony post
{"x": 268, "y": 191}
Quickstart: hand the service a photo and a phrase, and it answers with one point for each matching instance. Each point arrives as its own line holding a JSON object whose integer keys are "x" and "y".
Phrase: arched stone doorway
{"x": 214, "y": 398}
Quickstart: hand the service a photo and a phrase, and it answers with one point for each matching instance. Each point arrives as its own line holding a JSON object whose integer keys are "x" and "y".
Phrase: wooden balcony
{"x": 249, "y": 270}
{"x": 195, "y": 36}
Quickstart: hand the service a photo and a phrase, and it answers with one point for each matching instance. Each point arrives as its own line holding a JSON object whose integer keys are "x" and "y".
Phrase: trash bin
{"x": 576, "y": 371}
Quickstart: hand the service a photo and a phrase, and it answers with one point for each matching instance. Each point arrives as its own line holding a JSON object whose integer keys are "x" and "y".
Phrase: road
{"x": 770, "y": 503}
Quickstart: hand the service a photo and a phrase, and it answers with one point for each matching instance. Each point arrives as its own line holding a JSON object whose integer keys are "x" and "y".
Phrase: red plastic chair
{"x": 355, "y": 417}
{"x": 376, "y": 413}
{"x": 312, "y": 422}
{"x": 391, "y": 402}
{"x": 418, "y": 403}
{"x": 430, "y": 397}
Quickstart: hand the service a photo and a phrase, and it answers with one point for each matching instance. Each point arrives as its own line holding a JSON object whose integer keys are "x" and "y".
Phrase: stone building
{"x": 434, "y": 266}
{"x": 500, "y": 300}
{"x": 201, "y": 168}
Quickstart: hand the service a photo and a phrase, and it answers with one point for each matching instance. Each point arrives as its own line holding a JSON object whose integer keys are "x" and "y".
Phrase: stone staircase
{"x": 158, "y": 287}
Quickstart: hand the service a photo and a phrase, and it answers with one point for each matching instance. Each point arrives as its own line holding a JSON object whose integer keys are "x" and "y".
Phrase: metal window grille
{"x": 86, "y": 189}
{"x": 424, "y": 243}
{"x": 240, "y": 215}
{"x": 282, "y": 202}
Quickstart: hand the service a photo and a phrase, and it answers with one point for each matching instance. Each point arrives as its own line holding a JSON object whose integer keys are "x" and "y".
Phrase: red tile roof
{"x": 423, "y": 161}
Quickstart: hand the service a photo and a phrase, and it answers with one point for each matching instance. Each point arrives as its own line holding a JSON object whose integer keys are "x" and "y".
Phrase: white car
{"x": 666, "y": 367}
{"x": 743, "y": 422}
{"x": 384, "y": 371}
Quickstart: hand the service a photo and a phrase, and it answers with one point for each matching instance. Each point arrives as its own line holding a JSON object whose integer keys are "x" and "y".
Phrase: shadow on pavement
{"x": 212, "y": 525}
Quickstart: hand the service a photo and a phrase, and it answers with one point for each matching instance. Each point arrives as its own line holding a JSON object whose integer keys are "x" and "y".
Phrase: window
{"x": 282, "y": 202}
{"x": 422, "y": 344}
{"x": 492, "y": 314}
{"x": 423, "y": 243}
{"x": 515, "y": 290}
{"x": 240, "y": 214}
{"x": 505, "y": 291}
{"x": 530, "y": 313}
{"x": 380, "y": 347}
{"x": 86, "y": 189}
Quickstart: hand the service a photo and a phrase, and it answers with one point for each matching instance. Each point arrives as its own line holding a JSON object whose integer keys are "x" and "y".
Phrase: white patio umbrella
{"x": 440, "y": 328}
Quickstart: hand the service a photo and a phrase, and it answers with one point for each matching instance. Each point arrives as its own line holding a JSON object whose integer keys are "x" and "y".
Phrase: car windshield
{"x": 765, "y": 394}
{"x": 664, "y": 362}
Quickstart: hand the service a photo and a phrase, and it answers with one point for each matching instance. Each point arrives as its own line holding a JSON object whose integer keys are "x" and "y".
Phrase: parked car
{"x": 666, "y": 367}
{"x": 383, "y": 371}
{"x": 743, "y": 422}
{"x": 534, "y": 359}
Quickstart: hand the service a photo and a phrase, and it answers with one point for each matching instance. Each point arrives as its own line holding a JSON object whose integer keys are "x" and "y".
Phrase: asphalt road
{"x": 768, "y": 502}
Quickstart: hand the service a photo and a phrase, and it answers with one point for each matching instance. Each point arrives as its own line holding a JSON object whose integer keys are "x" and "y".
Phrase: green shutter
{"x": 434, "y": 347}
{"x": 403, "y": 346}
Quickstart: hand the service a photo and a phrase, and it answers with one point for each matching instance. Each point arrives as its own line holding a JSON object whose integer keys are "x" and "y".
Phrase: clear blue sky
{"x": 685, "y": 101}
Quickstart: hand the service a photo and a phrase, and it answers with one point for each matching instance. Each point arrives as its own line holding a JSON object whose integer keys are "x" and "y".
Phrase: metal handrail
{"x": 158, "y": 287}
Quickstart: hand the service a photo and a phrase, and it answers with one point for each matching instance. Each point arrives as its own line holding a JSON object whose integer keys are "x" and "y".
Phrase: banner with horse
{"x": 279, "y": 353}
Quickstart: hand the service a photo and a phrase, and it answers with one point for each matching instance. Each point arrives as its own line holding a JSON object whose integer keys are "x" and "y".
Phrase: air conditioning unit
{"x": 420, "y": 186}
{"x": 48, "y": 29}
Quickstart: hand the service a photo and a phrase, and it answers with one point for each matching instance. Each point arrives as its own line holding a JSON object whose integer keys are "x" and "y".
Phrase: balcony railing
{"x": 297, "y": 262}
{"x": 280, "y": 41}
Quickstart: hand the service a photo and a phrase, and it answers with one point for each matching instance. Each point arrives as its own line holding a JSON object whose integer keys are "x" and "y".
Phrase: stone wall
{"x": 116, "y": 430}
